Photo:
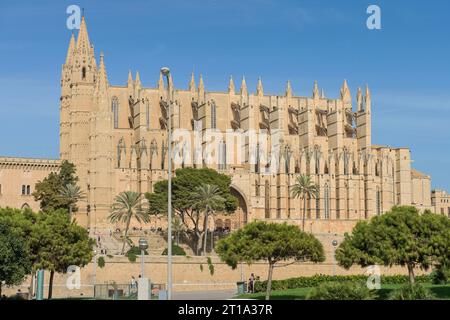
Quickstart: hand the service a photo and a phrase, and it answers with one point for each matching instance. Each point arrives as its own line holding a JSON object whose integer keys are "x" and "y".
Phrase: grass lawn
{"x": 440, "y": 291}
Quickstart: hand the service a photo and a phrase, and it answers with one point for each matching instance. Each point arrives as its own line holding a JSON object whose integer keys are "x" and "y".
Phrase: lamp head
{"x": 165, "y": 71}
{"x": 143, "y": 244}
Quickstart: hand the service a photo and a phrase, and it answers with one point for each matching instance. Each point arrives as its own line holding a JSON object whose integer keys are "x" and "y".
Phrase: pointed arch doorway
{"x": 240, "y": 216}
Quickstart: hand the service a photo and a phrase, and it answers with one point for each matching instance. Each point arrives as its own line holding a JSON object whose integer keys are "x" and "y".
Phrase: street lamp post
{"x": 334, "y": 243}
{"x": 143, "y": 245}
{"x": 94, "y": 278}
{"x": 165, "y": 72}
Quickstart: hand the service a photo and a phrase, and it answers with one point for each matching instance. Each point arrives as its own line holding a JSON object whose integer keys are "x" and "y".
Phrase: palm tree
{"x": 72, "y": 193}
{"x": 304, "y": 188}
{"x": 128, "y": 205}
{"x": 178, "y": 227}
{"x": 208, "y": 198}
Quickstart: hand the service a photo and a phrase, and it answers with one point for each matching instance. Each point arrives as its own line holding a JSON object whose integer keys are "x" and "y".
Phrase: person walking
{"x": 133, "y": 284}
{"x": 251, "y": 283}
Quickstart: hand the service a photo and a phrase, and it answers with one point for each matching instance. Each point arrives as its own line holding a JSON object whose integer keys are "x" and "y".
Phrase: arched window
{"x": 355, "y": 170}
{"x": 327, "y": 201}
{"x": 267, "y": 199}
{"x": 346, "y": 162}
{"x": 147, "y": 113}
{"x": 0, "y": 189}
{"x": 28, "y": 190}
{"x": 317, "y": 160}
{"x": 115, "y": 111}
{"x": 317, "y": 207}
{"x": 377, "y": 169}
{"x": 326, "y": 171}
{"x": 23, "y": 190}
{"x": 378, "y": 199}
{"x": 163, "y": 154}
{"x": 83, "y": 73}
{"x": 287, "y": 160}
{"x": 213, "y": 115}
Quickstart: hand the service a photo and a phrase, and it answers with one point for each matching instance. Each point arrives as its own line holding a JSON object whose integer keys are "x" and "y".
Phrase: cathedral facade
{"x": 117, "y": 136}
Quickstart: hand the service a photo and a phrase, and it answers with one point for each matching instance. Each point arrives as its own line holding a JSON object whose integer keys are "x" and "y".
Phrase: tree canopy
{"x": 14, "y": 255}
{"x": 272, "y": 242}
{"x": 48, "y": 191}
{"x": 400, "y": 237}
{"x": 185, "y": 199}
{"x": 58, "y": 243}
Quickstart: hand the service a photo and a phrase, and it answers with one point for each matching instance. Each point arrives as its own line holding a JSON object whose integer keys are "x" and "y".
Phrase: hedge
{"x": 316, "y": 280}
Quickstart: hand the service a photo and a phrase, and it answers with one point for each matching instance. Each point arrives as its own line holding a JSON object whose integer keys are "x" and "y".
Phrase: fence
{"x": 116, "y": 291}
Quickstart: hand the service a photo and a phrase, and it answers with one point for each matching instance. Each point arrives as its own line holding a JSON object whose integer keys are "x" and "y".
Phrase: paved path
{"x": 204, "y": 295}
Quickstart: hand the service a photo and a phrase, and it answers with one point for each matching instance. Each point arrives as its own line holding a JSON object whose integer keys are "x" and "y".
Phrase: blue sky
{"x": 407, "y": 63}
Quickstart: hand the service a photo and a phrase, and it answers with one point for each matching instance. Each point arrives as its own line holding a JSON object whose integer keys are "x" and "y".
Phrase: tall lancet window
{"x": 346, "y": 161}
{"x": 267, "y": 200}
{"x": 327, "y": 201}
{"x": 213, "y": 115}
{"x": 317, "y": 160}
{"x": 222, "y": 155}
{"x": 147, "y": 114}
{"x": 115, "y": 111}
{"x": 317, "y": 207}
{"x": 378, "y": 200}
{"x": 257, "y": 164}
{"x": 287, "y": 162}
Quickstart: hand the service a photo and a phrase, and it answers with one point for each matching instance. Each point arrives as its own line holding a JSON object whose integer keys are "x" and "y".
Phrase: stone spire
{"x": 101, "y": 89}
{"x": 71, "y": 50}
{"x": 130, "y": 82}
{"x": 322, "y": 94}
{"x": 359, "y": 99}
{"x": 137, "y": 82}
{"x": 192, "y": 83}
{"x": 368, "y": 99}
{"x": 288, "y": 89}
{"x": 316, "y": 94}
{"x": 259, "y": 88}
{"x": 201, "y": 85}
{"x": 345, "y": 94}
{"x": 244, "y": 90}
{"x": 231, "y": 88}
{"x": 83, "y": 44}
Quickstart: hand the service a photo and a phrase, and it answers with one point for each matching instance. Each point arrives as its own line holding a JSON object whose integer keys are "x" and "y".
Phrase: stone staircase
{"x": 157, "y": 242}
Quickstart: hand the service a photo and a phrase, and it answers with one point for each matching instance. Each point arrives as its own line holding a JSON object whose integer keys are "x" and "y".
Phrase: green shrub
{"x": 316, "y": 280}
{"x": 351, "y": 290}
{"x": 131, "y": 257}
{"x": 101, "y": 262}
{"x": 136, "y": 251}
{"x": 176, "y": 251}
{"x": 411, "y": 292}
{"x": 440, "y": 275}
{"x": 210, "y": 266}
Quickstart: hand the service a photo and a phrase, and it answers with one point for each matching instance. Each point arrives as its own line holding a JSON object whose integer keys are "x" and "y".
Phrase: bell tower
{"x": 77, "y": 91}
